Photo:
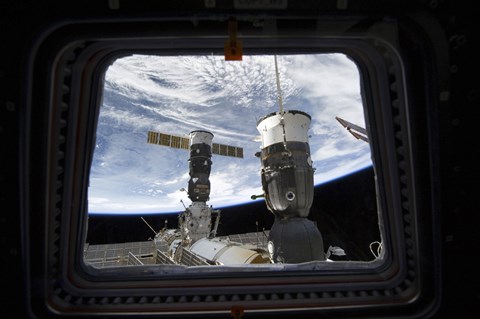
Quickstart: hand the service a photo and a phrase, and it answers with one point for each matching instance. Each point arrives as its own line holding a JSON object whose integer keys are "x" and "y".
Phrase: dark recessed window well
{"x": 262, "y": 194}
{"x": 179, "y": 180}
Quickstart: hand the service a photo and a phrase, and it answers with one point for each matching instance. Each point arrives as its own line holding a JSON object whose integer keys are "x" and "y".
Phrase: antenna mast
{"x": 149, "y": 226}
{"x": 279, "y": 91}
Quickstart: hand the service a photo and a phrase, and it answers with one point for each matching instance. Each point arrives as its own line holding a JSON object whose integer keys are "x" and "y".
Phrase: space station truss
{"x": 121, "y": 254}
{"x": 181, "y": 142}
{"x": 136, "y": 254}
{"x": 155, "y": 253}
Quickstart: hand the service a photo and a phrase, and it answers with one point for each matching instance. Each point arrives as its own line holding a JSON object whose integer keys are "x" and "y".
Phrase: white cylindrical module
{"x": 290, "y": 126}
{"x": 201, "y": 137}
{"x": 224, "y": 252}
{"x": 287, "y": 172}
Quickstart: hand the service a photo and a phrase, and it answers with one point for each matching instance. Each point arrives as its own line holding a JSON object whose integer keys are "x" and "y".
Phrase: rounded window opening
{"x": 290, "y": 196}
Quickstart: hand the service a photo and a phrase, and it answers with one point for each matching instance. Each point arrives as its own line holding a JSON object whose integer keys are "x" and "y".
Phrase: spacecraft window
{"x": 143, "y": 159}
{"x": 178, "y": 182}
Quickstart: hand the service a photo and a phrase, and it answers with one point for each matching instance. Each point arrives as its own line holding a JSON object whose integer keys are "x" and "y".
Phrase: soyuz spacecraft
{"x": 287, "y": 182}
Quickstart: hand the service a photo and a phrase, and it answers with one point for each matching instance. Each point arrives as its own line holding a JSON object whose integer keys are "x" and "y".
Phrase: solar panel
{"x": 168, "y": 140}
{"x": 227, "y": 150}
{"x": 239, "y": 152}
{"x": 181, "y": 142}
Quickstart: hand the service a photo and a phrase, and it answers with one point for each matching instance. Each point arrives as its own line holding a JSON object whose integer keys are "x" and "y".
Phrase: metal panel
{"x": 133, "y": 260}
{"x": 189, "y": 258}
{"x": 163, "y": 259}
{"x": 119, "y": 254}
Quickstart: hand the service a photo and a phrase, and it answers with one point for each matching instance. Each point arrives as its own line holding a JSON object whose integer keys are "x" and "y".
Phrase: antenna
{"x": 280, "y": 104}
{"x": 149, "y": 226}
{"x": 258, "y": 240}
{"x": 181, "y": 201}
{"x": 279, "y": 91}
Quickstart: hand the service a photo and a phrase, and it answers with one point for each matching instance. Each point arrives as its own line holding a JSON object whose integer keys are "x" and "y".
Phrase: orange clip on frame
{"x": 233, "y": 46}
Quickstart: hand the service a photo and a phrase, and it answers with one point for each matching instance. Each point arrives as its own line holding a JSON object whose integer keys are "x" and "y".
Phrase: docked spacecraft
{"x": 194, "y": 242}
{"x": 287, "y": 182}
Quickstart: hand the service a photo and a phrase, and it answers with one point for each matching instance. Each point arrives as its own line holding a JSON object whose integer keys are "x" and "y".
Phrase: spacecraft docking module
{"x": 196, "y": 221}
{"x": 194, "y": 243}
{"x": 287, "y": 181}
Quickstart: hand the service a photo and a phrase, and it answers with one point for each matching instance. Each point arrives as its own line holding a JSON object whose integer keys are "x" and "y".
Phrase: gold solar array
{"x": 227, "y": 150}
{"x": 184, "y": 143}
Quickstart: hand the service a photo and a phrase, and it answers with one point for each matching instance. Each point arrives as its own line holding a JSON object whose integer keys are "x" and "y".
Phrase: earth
{"x": 178, "y": 94}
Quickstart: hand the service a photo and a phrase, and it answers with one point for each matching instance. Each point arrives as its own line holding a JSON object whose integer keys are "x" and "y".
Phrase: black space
{"x": 345, "y": 211}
